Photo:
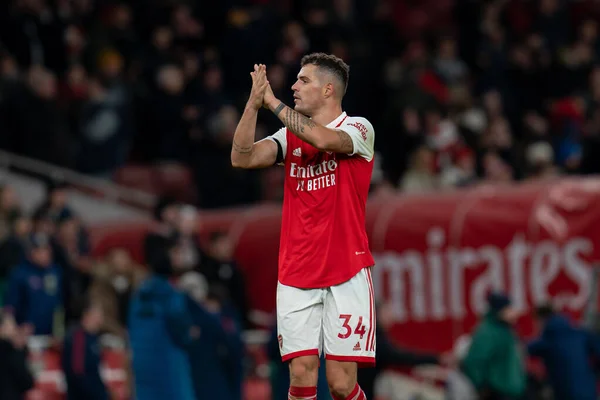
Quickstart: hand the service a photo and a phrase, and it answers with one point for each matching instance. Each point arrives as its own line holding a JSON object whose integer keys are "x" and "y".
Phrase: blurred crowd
{"x": 183, "y": 310}
{"x": 459, "y": 91}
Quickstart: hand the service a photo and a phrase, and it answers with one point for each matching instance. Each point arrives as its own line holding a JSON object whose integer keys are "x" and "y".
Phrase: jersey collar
{"x": 336, "y": 122}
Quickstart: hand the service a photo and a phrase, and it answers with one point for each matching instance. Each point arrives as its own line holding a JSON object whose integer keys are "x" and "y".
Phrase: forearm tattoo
{"x": 296, "y": 122}
{"x": 346, "y": 145}
{"x": 241, "y": 149}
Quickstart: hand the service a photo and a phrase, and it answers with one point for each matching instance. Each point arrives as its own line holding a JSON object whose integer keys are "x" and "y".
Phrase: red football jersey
{"x": 323, "y": 237}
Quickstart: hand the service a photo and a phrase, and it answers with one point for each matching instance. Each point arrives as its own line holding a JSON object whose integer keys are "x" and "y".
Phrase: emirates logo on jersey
{"x": 314, "y": 177}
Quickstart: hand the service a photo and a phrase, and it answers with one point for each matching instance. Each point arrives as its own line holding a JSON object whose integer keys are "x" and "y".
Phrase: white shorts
{"x": 338, "y": 320}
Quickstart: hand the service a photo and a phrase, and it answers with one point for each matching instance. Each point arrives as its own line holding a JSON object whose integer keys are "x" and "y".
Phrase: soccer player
{"x": 325, "y": 292}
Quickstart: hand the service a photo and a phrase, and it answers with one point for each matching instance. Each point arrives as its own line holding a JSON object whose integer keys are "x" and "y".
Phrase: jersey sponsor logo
{"x": 314, "y": 177}
{"x": 361, "y": 128}
{"x": 358, "y": 253}
{"x": 297, "y": 152}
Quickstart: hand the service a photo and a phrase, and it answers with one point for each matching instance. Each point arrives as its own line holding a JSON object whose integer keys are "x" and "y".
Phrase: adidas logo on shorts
{"x": 356, "y": 346}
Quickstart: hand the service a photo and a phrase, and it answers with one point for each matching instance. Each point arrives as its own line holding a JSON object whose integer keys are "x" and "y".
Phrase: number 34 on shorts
{"x": 338, "y": 320}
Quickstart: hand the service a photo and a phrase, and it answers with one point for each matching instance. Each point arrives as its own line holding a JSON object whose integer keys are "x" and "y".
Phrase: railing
{"x": 100, "y": 187}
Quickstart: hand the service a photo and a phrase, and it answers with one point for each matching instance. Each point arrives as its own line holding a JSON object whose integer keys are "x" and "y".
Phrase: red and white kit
{"x": 325, "y": 296}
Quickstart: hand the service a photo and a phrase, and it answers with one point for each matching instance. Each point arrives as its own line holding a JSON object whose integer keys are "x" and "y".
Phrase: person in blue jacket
{"x": 567, "y": 352}
{"x": 160, "y": 332}
{"x": 81, "y": 356}
{"x": 217, "y": 354}
{"x": 34, "y": 292}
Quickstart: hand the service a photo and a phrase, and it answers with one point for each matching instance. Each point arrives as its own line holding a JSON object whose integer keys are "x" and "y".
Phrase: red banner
{"x": 439, "y": 255}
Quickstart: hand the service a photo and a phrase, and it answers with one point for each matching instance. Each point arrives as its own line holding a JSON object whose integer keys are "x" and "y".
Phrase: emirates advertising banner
{"x": 438, "y": 256}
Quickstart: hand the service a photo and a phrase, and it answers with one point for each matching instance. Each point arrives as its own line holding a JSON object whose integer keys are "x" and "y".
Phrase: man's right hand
{"x": 259, "y": 84}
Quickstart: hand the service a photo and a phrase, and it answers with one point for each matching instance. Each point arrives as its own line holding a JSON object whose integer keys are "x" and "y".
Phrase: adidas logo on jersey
{"x": 297, "y": 152}
{"x": 356, "y": 346}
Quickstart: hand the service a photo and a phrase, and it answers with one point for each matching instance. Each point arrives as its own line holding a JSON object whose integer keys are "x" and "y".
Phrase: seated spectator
{"x": 216, "y": 356}
{"x": 160, "y": 332}
{"x": 567, "y": 352}
{"x": 15, "y": 377}
{"x": 34, "y": 293}
{"x": 493, "y": 363}
{"x": 81, "y": 356}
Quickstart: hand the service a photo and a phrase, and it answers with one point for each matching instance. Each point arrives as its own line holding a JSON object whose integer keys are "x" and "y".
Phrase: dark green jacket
{"x": 494, "y": 361}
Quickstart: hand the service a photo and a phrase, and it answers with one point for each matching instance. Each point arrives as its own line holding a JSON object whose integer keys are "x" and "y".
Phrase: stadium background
{"x": 486, "y": 118}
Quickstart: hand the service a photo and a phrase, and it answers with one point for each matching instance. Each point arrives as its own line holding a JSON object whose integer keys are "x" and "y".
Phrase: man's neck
{"x": 327, "y": 115}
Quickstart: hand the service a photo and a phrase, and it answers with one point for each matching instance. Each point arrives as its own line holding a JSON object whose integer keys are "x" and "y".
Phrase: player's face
{"x": 308, "y": 91}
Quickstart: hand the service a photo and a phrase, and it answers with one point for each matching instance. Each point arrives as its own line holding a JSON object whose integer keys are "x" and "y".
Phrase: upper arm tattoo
{"x": 345, "y": 142}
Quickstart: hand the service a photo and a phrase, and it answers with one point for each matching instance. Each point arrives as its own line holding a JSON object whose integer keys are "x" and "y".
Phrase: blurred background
{"x": 117, "y": 193}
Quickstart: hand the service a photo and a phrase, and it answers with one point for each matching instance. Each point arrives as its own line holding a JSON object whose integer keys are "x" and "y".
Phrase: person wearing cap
{"x": 34, "y": 293}
{"x": 563, "y": 344}
{"x": 494, "y": 364}
{"x": 217, "y": 353}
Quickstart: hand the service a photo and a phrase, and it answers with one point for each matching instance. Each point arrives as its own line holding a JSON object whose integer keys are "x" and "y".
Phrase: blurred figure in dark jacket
{"x": 34, "y": 293}
{"x": 390, "y": 355}
{"x": 221, "y": 270}
{"x": 12, "y": 248}
{"x": 166, "y": 216}
{"x": 567, "y": 353}
{"x": 217, "y": 354}
{"x": 15, "y": 377}
{"x": 55, "y": 205}
{"x": 82, "y": 357}
{"x": 160, "y": 332}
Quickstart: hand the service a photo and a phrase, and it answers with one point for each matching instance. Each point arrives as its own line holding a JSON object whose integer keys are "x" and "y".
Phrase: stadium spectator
{"x": 55, "y": 205}
{"x": 166, "y": 216}
{"x": 82, "y": 356}
{"x": 160, "y": 332}
{"x": 9, "y": 208}
{"x": 114, "y": 280}
{"x": 188, "y": 224}
{"x": 567, "y": 352}
{"x": 220, "y": 269}
{"x": 71, "y": 252}
{"x": 15, "y": 377}
{"x": 34, "y": 293}
{"x": 216, "y": 355}
{"x": 494, "y": 364}
{"x": 12, "y": 248}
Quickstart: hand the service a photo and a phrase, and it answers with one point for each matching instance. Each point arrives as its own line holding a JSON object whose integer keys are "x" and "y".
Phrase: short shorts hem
{"x": 362, "y": 361}
{"x": 301, "y": 353}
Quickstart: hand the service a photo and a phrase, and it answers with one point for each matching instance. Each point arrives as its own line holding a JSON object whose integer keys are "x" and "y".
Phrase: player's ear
{"x": 328, "y": 90}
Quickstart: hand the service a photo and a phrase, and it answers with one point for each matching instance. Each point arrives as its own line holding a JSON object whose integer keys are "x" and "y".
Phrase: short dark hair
{"x": 331, "y": 63}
